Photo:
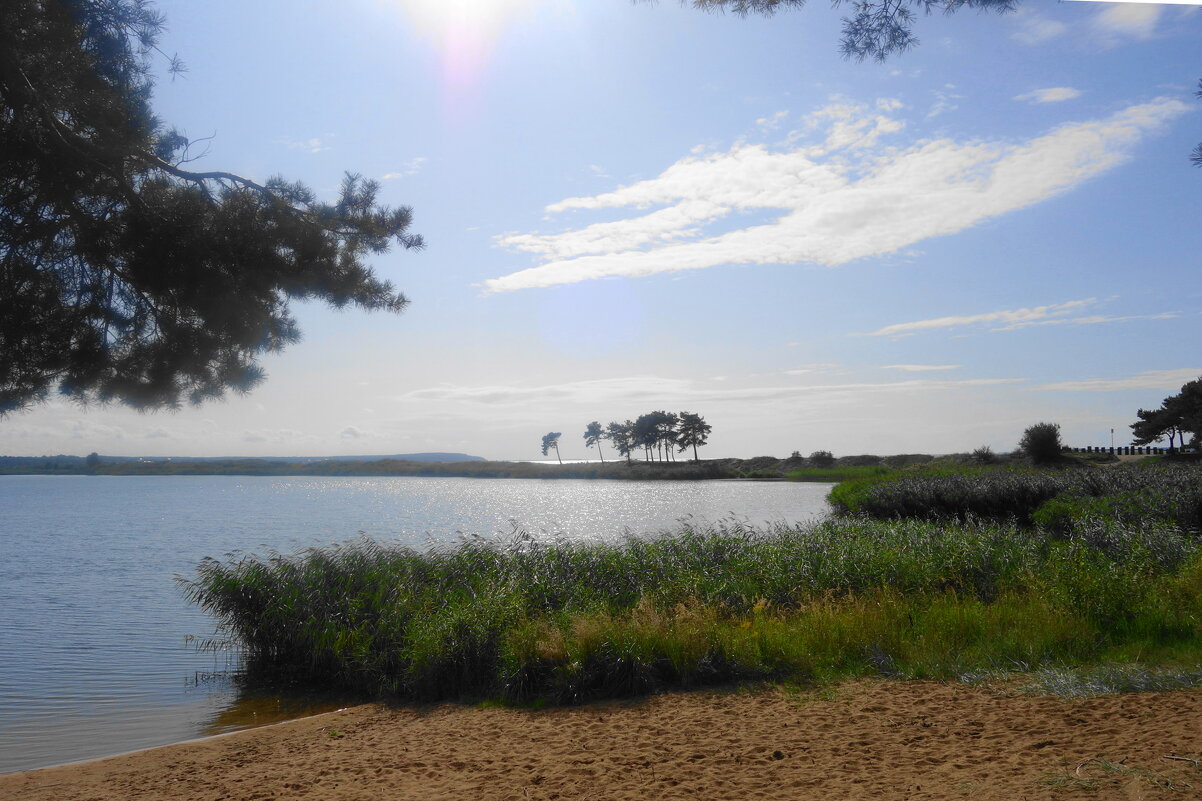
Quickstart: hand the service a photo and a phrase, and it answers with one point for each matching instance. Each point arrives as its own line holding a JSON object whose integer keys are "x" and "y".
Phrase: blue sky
{"x": 634, "y": 206}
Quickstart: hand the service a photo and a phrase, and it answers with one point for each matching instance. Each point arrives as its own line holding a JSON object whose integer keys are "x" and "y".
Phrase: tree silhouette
{"x": 550, "y": 441}
{"x": 692, "y": 431}
{"x": 124, "y": 275}
{"x": 1178, "y": 415}
{"x": 666, "y": 423}
{"x": 593, "y": 434}
{"x": 622, "y": 437}
{"x": 1154, "y": 425}
{"x": 1196, "y": 156}
{"x": 643, "y": 435}
{"x": 877, "y": 29}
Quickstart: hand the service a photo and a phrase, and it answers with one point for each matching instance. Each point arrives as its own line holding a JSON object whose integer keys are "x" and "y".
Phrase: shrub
{"x": 763, "y": 473}
{"x": 864, "y": 460}
{"x": 1041, "y": 443}
{"x": 983, "y": 455}
{"x": 822, "y": 459}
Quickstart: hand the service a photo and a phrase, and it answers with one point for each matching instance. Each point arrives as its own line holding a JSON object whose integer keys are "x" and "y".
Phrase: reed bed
{"x": 523, "y": 618}
{"x": 845, "y": 473}
{"x": 1057, "y": 499}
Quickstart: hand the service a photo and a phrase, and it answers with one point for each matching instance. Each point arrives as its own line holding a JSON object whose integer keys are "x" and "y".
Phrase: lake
{"x": 94, "y": 657}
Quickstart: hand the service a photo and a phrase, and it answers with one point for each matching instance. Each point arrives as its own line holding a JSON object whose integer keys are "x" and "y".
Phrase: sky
{"x": 632, "y": 206}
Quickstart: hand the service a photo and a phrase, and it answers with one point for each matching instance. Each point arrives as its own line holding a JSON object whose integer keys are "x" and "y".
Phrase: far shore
{"x": 863, "y": 739}
{"x": 763, "y": 467}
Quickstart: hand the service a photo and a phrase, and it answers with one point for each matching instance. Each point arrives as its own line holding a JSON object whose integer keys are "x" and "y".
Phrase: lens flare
{"x": 464, "y": 32}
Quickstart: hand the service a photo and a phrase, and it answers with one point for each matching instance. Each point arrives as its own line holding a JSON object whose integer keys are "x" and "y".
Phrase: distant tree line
{"x": 655, "y": 434}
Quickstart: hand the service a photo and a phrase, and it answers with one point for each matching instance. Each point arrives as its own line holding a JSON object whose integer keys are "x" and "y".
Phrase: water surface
{"x": 93, "y": 627}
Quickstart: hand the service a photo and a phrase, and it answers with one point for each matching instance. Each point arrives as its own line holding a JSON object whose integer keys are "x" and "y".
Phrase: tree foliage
{"x": 876, "y": 29}
{"x": 593, "y": 434}
{"x": 1178, "y": 416}
{"x": 622, "y": 437}
{"x": 822, "y": 459}
{"x": 1196, "y": 156}
{"x": 123, "y": 274}
{"x": 656, "y": 433}
{"x": 551, "y": 440}
{"x": 1041, "y": 443}
{"x": 693, "y": 432}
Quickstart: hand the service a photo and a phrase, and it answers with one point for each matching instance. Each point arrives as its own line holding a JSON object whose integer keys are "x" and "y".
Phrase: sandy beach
{"x": 878, "y": 740}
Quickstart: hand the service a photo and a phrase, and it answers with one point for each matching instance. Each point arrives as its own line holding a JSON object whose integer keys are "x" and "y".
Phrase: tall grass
{"x": 1057, "y": 499}
{"x": 845, "y": 473}
{"x": 526, "y": 618}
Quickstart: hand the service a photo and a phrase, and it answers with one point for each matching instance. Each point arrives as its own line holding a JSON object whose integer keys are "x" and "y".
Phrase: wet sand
{"x": 864, "y": 740}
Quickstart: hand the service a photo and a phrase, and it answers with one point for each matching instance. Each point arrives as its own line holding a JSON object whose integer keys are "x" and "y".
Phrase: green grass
{"x": 568, "y": 621}
{"x": 837, "y": 473}
{"x": 1056, "y": 499}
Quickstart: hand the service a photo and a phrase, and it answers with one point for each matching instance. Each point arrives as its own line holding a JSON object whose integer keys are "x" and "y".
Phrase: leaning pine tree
{"x": 551, "y": 440}
{"x": 593, "y": 434}
{"x": 124, "y": 274}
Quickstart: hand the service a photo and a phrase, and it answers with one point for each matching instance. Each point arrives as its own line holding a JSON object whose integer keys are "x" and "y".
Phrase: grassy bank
{"x": 1058, "y": 499}
{"x": 569, "y": 621}
{"x": 837, "y": 474}
{"x": 636, "y": 470}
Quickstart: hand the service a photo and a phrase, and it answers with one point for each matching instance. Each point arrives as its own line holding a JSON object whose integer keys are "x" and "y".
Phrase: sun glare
{"x": 464, "y": 31}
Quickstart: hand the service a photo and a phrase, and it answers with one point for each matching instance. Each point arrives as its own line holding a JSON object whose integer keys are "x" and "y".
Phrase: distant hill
{"x": 78, "y": 464}
{"x": 436, "y": 456}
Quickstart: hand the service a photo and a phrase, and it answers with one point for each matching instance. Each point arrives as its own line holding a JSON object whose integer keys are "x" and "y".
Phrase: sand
{"x": 864, "y": 740}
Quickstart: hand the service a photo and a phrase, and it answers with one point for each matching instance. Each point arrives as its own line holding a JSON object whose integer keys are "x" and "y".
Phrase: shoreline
{"x": 74, "y": 763}
{"x": 862, "y": 739}
{"x": 760, "y": 467}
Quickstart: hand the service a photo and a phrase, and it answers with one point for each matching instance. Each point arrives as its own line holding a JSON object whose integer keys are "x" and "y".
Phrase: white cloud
{"x": 87, "y": 428}
{"x": 410, "y": 167}
{"x": 1014, "y": 319}
{"x": 633, "y": 395}
{"x": 849, "y": 125}
{"x": 1011, "y": 316}
{"x": 771, "y": 122}
{"x": 275, "y": 435}
{"x": 313, "y": 145}
{"x": 1127, "y": 20}
{"x": 836, "y": 204}
{"x": 664, "y": 225}
{"x": 809, "y": 369}
{"x": 1152, "y": 379}
{"x": 1093, "y": 319}
{"x": 1055, "y": 94}
{"x": 921, "y": 368}
{"x": 353, "y": 432}
{"x": 1034, "y": 28}
{"x": 944, "y": 101}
